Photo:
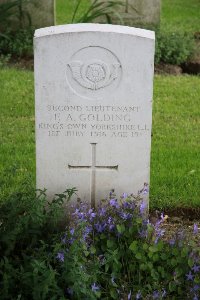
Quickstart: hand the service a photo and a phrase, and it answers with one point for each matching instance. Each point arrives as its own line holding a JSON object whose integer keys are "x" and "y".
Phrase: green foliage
{"x": 30, "y": 230}
{"x": 13, "y": 11}
{"x": 17, "y": 44}
{"x": 97, "y": 9}
{"x": 115, "y": 252}
{"x": 173, "y": 47}
{"x": 107, "y": 253}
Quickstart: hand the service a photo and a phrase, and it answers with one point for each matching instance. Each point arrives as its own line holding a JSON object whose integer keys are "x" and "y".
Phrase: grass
{"x": 181, "y": 15}
{"x": 175, "y": 164}
{"x": 17, "y": 146}
{"x": 176, "y": 15}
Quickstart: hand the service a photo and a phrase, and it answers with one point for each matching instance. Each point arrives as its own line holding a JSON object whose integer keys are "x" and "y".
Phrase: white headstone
{"x": 93, "y": 91}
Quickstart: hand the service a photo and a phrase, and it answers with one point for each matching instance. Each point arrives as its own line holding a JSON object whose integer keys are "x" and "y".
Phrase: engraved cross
{"x": 93, "y": 168}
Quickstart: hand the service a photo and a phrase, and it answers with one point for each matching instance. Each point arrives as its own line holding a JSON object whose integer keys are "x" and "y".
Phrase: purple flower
{"x": 111, "y": 227}
{"x": 95, "y": 287}
{"x": 114, "y": 203}
{"x": 87, "y": 231}
{"x": 195, "y": 288}
{"x": 195, "y": 297}
{"x": 164, "y": 293}
{"x": 110, "y": 220}
{"x": 143, "y": 233}
{"x": 124, "y": 195}
{"x": 126, "y": 204}
{"x": 196, "y": 268}
{"x": 71, "y": 240}
{"x": 145, "y": 189}
{"x": 172, "y": 242}
{"x": 156, "y": 295}
{"x": 64, "y": 239}
{"x": 100, "y": 227}
{"x": 195, "y": 230}
{"x": 138, "y": 295}
{"x": 102, "y": 211}
{"x": 159, "y": 233}
{"x": 91, "y": 214}
{"x": 60, "y": 256}
{"x": 125, "y": 216}
{"x": 72, "y": 231}
{"x": 143, "y": 207}
{"x": 129, "y": 295}
{"x": 190, "y": 276}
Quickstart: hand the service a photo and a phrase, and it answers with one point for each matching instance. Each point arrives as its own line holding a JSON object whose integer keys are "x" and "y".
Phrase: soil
{"x": 177, "y": 220}
{"x": 26, "y": 63}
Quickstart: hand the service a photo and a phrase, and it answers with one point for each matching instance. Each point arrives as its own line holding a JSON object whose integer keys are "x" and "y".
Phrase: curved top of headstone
{"x": 86, "y": 27}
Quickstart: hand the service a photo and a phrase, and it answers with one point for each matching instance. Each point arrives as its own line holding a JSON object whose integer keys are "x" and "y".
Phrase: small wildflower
{"x": 190, "y": 276}
{"x": 111, "y": 227}
{"x": 164, "y": 293}
{"x": 138, "y": 295}
{"x": 102, "y": 211}
{"x": 64, "y": 239}
{"x": 156, "y": 295}
{"x": 129, "y": 295}
{"x": 195, "y": 288}
{"x": 196, "y": 268}
{"x": 113, "y": 202}
{"x": 95, "y": 287}
{"x": 143, "y": 233}
{"x": 91, "y": 214}
{"x": 172, "y": 242}
{"x": 124, "y": 195}
{"x": 143, "y": 207}
{"x": 60, "y": 256}
{"x": 100, "y": 227}
{"x": 195, "y": 230}
{"x": 195, "y": 297}
{"x": 72, "y": 231}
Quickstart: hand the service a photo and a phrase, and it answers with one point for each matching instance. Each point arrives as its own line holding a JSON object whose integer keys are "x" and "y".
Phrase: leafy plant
{"x": 18, "y": 43}
{"x": 97, "y": 9}
{"x": 113, "y": 252}
{"x": 30, "y": 230}
{"x": 13, "y": 9}
{"x": 173, "y": 47}
{"x": 118, "y": 254}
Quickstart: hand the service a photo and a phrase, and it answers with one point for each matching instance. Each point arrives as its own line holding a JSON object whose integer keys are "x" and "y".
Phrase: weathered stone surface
{"x": 93, "y": 92}
{"x": 138, "y": 13}
{"x": 41, "y": 14}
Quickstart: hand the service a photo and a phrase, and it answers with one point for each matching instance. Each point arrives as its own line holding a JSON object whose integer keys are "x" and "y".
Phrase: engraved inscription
{"x": 94, "y": 121}
{"x": 95, "y": 74}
